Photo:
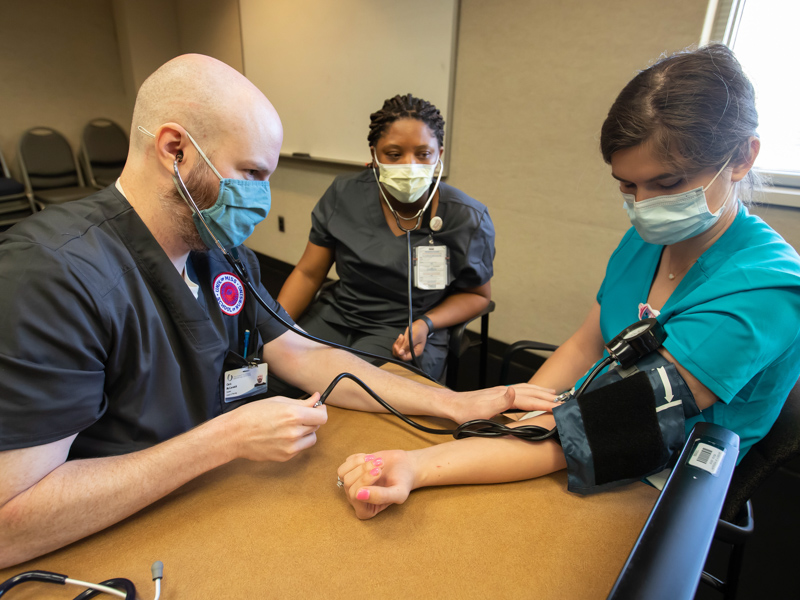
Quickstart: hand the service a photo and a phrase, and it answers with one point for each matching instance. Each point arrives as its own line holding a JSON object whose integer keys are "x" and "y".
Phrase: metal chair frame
{"x": 24, "y": 169}
{"x": 17, "y": 206}
{"x": 83, "y": 152}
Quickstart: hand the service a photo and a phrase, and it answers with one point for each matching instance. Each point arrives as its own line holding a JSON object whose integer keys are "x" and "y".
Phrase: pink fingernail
{"x": 362, "y": 495}
{"x": 375, "y": 472}
{"x": 369, "y": 457}
{"x": 378, "y": 462}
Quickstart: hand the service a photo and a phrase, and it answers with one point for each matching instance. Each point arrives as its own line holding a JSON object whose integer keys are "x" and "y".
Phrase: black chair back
{"x": 47, "y": 160}
{"x": 15, "y": 204}
{"x": 104, "y": 150}
{"x": 779, "y": 446}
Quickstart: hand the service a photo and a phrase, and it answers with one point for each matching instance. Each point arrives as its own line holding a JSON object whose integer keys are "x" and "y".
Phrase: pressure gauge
{"x": 636, "y": 341}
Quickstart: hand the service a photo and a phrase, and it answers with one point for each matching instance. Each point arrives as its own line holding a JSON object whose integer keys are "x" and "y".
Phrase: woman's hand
{"x": 373, "y": 482}
{"x": 530, "y": 397}
{"x": 400, "y": 348}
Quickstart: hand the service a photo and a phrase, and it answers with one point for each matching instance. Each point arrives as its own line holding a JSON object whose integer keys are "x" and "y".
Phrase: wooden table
{"x": 285, "y": 530}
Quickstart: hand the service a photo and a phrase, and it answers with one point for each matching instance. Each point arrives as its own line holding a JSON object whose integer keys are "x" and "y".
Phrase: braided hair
{"x": 401, "y": 107}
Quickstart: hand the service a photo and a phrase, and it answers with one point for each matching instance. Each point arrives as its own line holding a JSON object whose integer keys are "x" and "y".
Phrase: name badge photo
{"x": 245, "y": 382}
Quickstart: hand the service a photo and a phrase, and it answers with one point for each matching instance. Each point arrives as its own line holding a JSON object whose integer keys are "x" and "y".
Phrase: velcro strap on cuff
{"x": 622, "y": 429}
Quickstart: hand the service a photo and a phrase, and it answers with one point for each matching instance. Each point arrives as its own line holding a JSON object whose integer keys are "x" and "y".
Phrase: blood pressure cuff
{"x": 625, "y": 426}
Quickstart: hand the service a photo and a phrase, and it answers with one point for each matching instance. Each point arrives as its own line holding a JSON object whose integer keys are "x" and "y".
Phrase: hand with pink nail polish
{"x": 373, "y": 482}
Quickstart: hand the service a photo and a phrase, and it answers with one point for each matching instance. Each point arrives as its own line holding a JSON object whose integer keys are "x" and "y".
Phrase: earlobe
{"x": 741, "y": 169}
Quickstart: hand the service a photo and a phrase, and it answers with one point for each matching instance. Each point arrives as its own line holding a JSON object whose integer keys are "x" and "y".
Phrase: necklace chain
{"x": 673, "y": 274}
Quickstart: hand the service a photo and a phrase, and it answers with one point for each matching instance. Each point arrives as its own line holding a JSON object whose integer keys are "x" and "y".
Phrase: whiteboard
{"x": 326, "y": 65}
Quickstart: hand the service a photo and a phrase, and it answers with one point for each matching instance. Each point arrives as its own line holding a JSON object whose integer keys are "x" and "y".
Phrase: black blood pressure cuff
{"x": 625, "y": 426}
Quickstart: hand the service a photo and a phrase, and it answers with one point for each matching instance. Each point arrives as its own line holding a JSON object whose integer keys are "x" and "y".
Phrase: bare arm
{"x": 454, "y": 309}
{"x": 574, "y": 357}
{"x": 311, "y": 367}
{"x": 306, "y": 278}
{"x": 47, "y": 502}
{"x": 374, "y": 482}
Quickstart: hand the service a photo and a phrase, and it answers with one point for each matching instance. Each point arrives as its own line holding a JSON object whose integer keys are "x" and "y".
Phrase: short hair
{"x": 402, "y": 107}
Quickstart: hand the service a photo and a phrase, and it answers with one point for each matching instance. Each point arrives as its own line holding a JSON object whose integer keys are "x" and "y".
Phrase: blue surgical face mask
{"x": 665, "y": 220}
{"x": 241, "y": 205}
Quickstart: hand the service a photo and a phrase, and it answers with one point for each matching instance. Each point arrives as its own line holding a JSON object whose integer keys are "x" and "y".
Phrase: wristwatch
{"x": 429, "y": 323}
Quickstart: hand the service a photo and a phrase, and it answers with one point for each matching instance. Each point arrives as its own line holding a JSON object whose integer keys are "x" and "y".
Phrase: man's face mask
{"x": 241, "y": 205}
{"x": 665, "y": 220}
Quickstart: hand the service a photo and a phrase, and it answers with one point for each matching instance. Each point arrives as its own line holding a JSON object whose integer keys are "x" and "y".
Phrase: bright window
{"x": 763, "y": 34}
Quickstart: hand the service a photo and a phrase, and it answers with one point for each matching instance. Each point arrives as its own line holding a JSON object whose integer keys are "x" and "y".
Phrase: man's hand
{"x": 277, "y": 428}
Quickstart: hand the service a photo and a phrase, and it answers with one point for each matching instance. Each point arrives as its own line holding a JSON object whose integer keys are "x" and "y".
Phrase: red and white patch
{"x": 230, "y": 293}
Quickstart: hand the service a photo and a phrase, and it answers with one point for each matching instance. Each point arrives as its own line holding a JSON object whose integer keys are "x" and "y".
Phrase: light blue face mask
{"x": 665, "y": 220}
{"x": 241, "y": 205}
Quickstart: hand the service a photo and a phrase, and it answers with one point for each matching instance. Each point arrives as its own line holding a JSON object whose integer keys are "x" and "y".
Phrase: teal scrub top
{"x": 733, "y": 322}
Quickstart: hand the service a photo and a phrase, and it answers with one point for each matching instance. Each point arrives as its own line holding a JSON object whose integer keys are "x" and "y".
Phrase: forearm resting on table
{"x": 81, "y": 497}
{"x": 314, "y": 368}
{"x": 488, "y": 460}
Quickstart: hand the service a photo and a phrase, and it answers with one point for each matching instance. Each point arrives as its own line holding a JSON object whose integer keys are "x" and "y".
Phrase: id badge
{"x": 431, "y": 267}
{"x": 245, "y": 382}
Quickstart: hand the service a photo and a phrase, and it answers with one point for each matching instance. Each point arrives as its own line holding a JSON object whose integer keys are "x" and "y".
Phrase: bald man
{"x": 123, "y": 327}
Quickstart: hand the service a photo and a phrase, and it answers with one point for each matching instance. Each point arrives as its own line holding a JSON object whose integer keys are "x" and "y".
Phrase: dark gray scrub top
{"x": 102, "y": 337}
{"x": 372, "y": 263}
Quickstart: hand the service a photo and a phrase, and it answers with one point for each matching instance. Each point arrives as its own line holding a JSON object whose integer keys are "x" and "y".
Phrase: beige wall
{"x": 533, "y": 84}
{"x": 534, "y": 81}
{"x": 211, "y": 27}
{"x": 59, "y": 67}
{"x": 64, "y": 63}
{"x": 147, "y": 35}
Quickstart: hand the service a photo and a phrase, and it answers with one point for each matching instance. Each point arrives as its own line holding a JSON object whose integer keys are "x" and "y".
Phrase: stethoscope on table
{"x": 120, "y": 587}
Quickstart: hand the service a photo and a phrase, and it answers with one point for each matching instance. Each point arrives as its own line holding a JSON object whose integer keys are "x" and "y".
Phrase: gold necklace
{"x": 672, "y": 274}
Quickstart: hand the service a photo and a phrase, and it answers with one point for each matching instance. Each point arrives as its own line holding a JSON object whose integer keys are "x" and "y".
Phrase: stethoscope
{"x": 240, "y": 270}
{"x": 119, "y": 586}
{"x": 397, "y": 219}
{"x": 622, "y": 348}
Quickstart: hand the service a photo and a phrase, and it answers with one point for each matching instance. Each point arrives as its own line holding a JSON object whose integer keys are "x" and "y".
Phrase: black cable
{"x": 410, "y": 306}
{"x": 118, "y": 582}
{"x": 233, "y": 260}
{"x": 241, "y": 272}
{"x": 27, "y": 576}
{"x": 590, "y": 377}
{"x": 474, "y": 428}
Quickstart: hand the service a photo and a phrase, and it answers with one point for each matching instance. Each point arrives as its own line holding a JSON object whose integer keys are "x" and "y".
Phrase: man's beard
{"x": 204, "y": 192}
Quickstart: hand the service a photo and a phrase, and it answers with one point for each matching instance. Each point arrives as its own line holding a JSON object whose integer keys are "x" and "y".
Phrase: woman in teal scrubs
{"x": 681, "y": 140}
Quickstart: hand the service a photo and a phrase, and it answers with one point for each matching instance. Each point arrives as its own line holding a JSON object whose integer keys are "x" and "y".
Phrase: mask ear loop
{"x": 183, "y": 192}
{"x": 718, "y": 174}
{"x": 728, "y": 195}
{"x": 187, "y": 197}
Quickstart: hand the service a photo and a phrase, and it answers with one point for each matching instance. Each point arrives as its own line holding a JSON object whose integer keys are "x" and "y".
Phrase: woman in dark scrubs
{"x": 359, "y": 224}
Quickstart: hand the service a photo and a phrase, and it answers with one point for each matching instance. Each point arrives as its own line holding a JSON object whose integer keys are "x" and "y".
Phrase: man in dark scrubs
{"x": 126, "y": 341}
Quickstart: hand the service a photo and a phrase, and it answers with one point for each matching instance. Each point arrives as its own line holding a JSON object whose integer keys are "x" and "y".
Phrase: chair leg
{"x": 451, "y": 371}
{"x": 484, "y": 351}
{"x": 734, "y": 569}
